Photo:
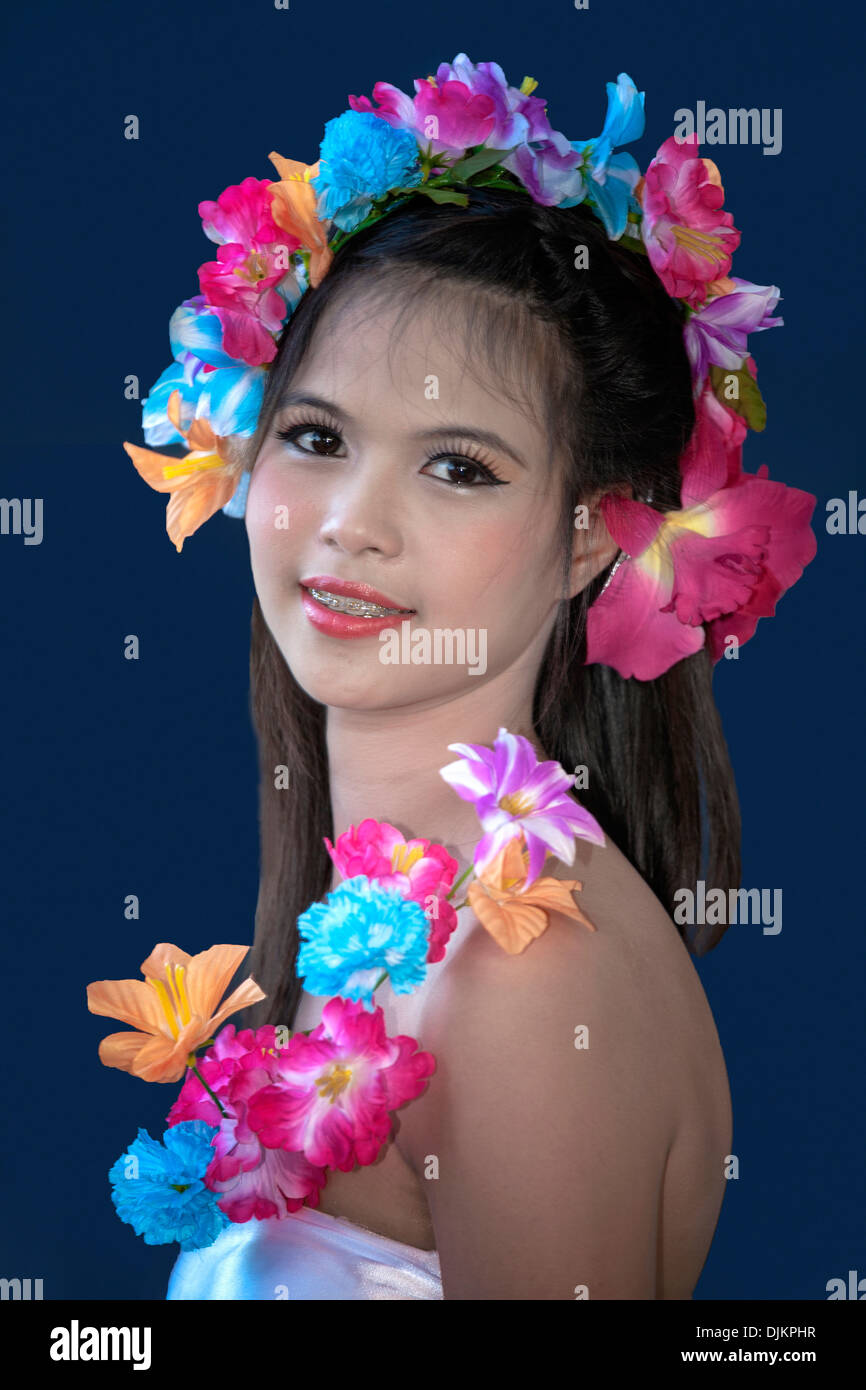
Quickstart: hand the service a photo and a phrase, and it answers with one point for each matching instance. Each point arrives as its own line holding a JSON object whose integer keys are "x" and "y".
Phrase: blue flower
{"x": 158, "y": 1189}
{"x": 356, "y": 933}
{"x": 362, "y": 158}
{"x": 229, "y": 396}
{"x": 612, "y": 177}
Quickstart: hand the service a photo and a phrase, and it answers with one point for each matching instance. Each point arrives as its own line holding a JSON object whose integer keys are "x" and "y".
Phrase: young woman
{"x": 450, "y": 410}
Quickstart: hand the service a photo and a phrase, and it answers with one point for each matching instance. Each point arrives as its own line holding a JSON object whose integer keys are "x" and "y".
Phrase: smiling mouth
{"x": 356, "y": 607}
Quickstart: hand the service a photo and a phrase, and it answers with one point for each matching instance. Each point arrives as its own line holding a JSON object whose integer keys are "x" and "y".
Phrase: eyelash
{"x": 458, "y": 454}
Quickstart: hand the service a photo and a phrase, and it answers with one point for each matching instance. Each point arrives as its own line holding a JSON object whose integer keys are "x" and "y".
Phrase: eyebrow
{"x": 489, "y": 437}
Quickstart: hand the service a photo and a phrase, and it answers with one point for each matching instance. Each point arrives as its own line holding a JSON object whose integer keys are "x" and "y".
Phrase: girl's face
{"x": 390, "y": 465}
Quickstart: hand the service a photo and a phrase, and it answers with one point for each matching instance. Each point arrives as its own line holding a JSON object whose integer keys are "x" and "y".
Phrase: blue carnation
{"x": 361, "y": 159}
{"x": 356, "y": 933}
{"x": 164, "y": 1197}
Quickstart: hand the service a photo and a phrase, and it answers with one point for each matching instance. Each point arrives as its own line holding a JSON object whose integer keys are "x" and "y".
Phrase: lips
{"x": 346, "y": 588}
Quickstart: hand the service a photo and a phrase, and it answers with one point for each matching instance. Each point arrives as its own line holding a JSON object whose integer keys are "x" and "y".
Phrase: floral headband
{"x": 702, "y": 574}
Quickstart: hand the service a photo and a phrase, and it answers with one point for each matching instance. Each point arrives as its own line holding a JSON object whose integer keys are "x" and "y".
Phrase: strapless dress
{"x": 306, "y": 1255}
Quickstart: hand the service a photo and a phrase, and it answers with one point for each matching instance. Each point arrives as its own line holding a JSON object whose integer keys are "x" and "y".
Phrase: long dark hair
{"x": 607, "y": 343}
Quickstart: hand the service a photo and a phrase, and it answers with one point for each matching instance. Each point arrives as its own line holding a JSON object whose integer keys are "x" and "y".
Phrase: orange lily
{"x": 174, "y": 1007}
{"x": 199, "y": 484}
{"x": 515, "y": 918}
{"x": 293, "y": 207}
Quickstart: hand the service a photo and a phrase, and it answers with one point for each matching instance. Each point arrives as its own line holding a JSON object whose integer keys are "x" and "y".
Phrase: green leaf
{"x": 442, "y": 195}
{"x": 750, "y": 403}
{"x": 474, "y": 163}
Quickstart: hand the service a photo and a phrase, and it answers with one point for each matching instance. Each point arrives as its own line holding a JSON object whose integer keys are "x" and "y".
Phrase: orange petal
{"x": 245, "y": 994}
{"x": 512, "y": 925}
{"x": 131, "y": 1001}
{"x": 165, "y": 1059}
{"x": 197, "y": 499}
{"x": 294, "y": 208}
{"x": 207, "y": 977}
{"x": 165, "y": 953}
{"x": 121, "y": 1049}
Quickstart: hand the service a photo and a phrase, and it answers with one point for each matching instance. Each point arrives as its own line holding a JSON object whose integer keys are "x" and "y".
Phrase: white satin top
{"x": 306, "y": 1255}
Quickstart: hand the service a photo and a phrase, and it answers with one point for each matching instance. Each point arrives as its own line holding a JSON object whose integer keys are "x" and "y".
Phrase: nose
{"x": 361, "y": 513}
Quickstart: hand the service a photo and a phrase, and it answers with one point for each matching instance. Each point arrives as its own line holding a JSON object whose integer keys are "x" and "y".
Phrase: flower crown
{"x": 702, "y": 574}
{"x": 264, "y": 1115}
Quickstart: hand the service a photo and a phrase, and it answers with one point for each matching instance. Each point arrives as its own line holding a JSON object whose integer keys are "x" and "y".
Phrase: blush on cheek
{"x": 276, "y": 515}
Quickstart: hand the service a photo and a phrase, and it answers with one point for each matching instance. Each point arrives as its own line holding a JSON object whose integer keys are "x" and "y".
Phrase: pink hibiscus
{"x": 253, "y": 1181}
{"x": 446, "y": 116}
{"x": 723, "y": 559}
{"x": 418, "y": 869}
{"x": 334, "y": 1090}
{"x": 689, "y": 240}
{"x": 252, "y": 259}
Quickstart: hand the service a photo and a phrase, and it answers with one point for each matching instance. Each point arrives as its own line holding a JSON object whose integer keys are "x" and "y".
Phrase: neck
{"x": 385, "y": 764}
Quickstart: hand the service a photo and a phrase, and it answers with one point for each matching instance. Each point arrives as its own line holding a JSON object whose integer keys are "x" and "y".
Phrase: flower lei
{"x": 703, "y": 573}
{"x": 264, "y": 1115}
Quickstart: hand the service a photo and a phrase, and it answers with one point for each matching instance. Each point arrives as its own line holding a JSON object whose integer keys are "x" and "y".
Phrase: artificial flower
{"x": 513, "y": 912}
{"x": 732, "y": 548}
{"x": 515, "y": 794}
{"x": 250, "y": 1180}
{"x": 418, "y": 869}
{"x": 337, "y": 1087}
{"x": 612, "y": 178}
{"x": 294, "y": 208}
{"x": 213, "y": 386}
{"x": 176, "y": 1008}
{"x": 360, "y": 160}
{"x": 253, "y": 257}
{"x": 200, "y": 483}
{"x": 717, "y": 333}
{"x": 688, "y": 238}
{"x": 359, "y": 931}
{"x": 519, "y": 117}
{"x": 445, "y": 117}
{"x": 159, "y": 1189}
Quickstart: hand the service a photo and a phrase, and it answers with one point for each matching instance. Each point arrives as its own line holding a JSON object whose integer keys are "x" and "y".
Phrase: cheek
{"x": 504, "y": 565}
{"x": 277, "y": 515}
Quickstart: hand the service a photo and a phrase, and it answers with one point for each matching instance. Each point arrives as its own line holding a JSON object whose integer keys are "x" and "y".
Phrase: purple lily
{"x": 515, "y": 794}
{"x": 717, "y": 333}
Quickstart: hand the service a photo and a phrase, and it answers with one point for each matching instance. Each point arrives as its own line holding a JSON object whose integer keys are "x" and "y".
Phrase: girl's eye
{"x": 467, "y": 471}
{"x": 320, "y": 440}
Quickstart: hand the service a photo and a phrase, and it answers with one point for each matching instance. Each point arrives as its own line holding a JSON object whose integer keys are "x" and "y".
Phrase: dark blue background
{"x": 140, "y": 777}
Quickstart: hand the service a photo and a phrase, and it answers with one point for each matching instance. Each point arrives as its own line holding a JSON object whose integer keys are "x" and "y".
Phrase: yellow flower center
{"x": 332, "y": 1083}
{"x": 516, "y": 803}
{"x": 193, "y": 463}
{"x": 700, "y": 243}
{"x": 528, "y": 86}
{"x": 172, "y": 997}
{"x": 402, "y": 858}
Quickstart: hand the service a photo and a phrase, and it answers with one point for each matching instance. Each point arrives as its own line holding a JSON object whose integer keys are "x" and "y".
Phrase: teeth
{"x": 358, "y": 607}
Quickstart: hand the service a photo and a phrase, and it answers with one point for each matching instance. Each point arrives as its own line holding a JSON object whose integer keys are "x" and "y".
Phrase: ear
{"x": 594, "y": 548}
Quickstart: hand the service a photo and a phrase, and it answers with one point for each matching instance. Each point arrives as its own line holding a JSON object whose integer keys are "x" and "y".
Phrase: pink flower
{"x": 334, "y": 1090}
{"x": 689, "y": 240}
{"x": 252, "y": 259}
{"x": 738, "y": 542}
{"x": 252, "y": 1180}
{"x": 514, "y": 795}
{"x": 446, "y": 116}
{"x": 418, "y": 869}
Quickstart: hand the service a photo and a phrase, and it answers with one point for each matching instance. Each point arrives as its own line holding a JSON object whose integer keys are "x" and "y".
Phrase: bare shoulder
{"x": 565, "y": 1077}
